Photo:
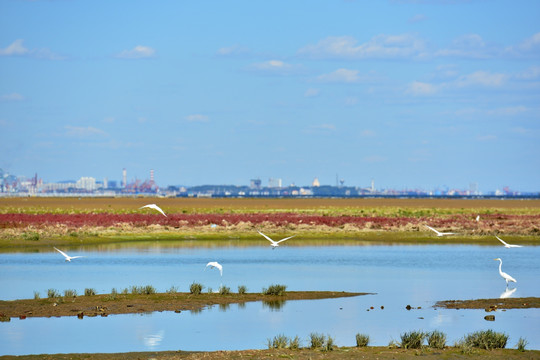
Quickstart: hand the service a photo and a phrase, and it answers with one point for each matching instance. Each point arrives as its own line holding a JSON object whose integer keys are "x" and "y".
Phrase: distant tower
{"x": 372, "y": 185}
{"x": 316, "y": 183}
{"x": 105, "y": 183}
{"x": 124, "y": 178}
{"x": 152, "y": 175}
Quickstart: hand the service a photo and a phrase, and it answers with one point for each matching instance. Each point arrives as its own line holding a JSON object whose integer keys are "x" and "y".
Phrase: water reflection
{"x": 273, "y": 305}
{"x": 507, "y": 293}
{"x": 152, "y": 341}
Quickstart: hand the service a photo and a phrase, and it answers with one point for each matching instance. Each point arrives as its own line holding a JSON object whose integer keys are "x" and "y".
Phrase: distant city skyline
{"x": 413, "y": 94}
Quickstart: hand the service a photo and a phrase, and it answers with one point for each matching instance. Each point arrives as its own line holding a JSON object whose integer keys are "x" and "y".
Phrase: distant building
{"x": 255, "y": 183}
{"x": 274, "y": 183}
{"x": 86, "y": 183}
{"x": 316, "y": 183}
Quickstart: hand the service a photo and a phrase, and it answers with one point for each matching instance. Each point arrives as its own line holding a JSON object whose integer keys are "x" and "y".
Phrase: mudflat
{"x": 491, "y": 304}
{"x": 107, "y": 304}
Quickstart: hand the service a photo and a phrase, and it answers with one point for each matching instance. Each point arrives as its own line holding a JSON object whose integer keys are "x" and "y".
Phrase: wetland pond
{"x": 397, "y": 275}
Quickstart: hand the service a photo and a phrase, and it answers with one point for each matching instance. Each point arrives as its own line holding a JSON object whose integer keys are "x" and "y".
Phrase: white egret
{"x": 506, "y": 245}
{"x": 216, "y": 265}
{"x": 155, "y": 207}
{"x": 68, "y": 258}
{"x": 438, "y": 232}
{"x": 503, "y": 274}
{"x": 477, "y": 218}
{"x": 273, "y": 243}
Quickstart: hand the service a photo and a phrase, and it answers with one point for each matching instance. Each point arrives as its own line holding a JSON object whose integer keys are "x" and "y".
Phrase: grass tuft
{"x": 89, "y": 292}
{"x": 195, "y": 288}
{"x": 242, "y": 289}
{"x": 412, "y": 339}
{"x": 362, "y": 340}
{"x": 173, "y": 290}
{"x": 53, "y": 293}
{"x": 275, "y": 290}
{"x": 436, "y": 339}
{"x": 521, "y": 344}
{"x": 294, "y": 343}
{"x": 70, "y": 293}
{"x": 487, "y": 339}
{"x": 224, "y": 290}
{"x": 278, "y": 342}
{"x": 36, "y": 295}
{"x": 316, "y": 340}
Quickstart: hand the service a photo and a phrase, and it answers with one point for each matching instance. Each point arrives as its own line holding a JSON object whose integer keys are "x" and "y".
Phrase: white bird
{"x": 273, "y": 243}
{"x": 506, "y": 245}
{"x": 155, "y": 207}
{"x": 68, "y": 258}
{"x": 477, "y": 218}
{"x": 438, "y": 232}
{"x": 503, "y": 274}
{"x": 215, "y": 264}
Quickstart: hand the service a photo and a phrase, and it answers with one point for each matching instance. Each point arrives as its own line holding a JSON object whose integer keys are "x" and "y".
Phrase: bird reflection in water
{"x": 507, "y": 293}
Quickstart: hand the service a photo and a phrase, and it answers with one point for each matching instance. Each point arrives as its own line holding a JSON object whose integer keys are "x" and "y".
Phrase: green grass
{"x": 224, "y": 290}
{"x": 142, "y": 290}
{"x": 89, "y": 292}
{"x": 242, "y": 289}
{"x": 70, "y": 293}
{"x": 278, "y": 290}
{"x": 487, "y": 339}
{"x": 316, "y": 340}
{"x": 521, "y": 344}
{"x": 195, "y": 288}
{"x": 412, "y": 339}
{"x": 53, "y": 293}
{"x": 362, "y": 340}
{"x": 436, "y": 339}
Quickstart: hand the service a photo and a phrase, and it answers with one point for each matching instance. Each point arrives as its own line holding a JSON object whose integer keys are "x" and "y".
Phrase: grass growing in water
{"x": 362, "y": 340}
{"x": 275, "y": 290}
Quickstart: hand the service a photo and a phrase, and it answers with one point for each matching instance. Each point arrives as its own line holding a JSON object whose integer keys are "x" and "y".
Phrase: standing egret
{"x": 503, "y": 274}
{"x": 506, "y": 245}
{"x": 273, "y": 243}
{"x": 68, "y": 258}
{"x": 155, "y": 207}
{"x": 215, "y": 264}
{"x": 477, "y": 218}
{"x": 438, "y": 232}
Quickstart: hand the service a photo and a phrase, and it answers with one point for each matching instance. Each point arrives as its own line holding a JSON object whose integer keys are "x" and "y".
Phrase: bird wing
{"x": 429, "y": 227}
{"x": 267, "y": 238}
{"x": 61, "y": 252}
{"x": 159, "y": 209}
{"x": 277, "y": 242}
{"x": 506, "y": 276}
{"x": 501, "y": 240}
{"x": 75, "y": 257}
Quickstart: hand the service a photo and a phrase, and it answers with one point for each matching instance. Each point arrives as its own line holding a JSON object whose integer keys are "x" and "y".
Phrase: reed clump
{"x": 242, "y": 289}
{"x": 278, "y": 290}
{"x": 487, "y": 339}
{"x": 142, "y": 290}
{"x": 362, "y": 340}
{"x": 224, "y": 290}
{"x": 70, "y": 293}
{"x": 89, "y": 292}
{"x": 53, "y": 293}
{"x": 412, "y": 339}
{"x": 436, "y": 339}
{"x": 195, "y": 288}
{"x": 521, "y": 344}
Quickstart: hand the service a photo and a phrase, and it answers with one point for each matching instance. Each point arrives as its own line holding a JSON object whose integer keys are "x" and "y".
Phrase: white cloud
{"x": 275, "y": 67}
{"x": 529, "y": 74}
{"x": 138, "y": 52}
{"x": 18, "y": 49}
{"x": 77, "y": 131}
{"x": 417, "y": 18}
{"x": 312, "y": 92}
{"x": 15, "y": 48}
{"x": 197, "y": 118}
{"x": 487, "y": 137}
{"x": 526, "y": 47}
{"x": 341, "y": 76}
{"x": 380, "y": 46}
{"x": 469, "y": 46}
{"x": 481, "y": 78}
{"x": 11, "y": 97}
{"x": 418, "y": 88}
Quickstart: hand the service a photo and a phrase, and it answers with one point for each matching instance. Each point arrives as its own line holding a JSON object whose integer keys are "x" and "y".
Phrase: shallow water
{"x": 399, "y": 275}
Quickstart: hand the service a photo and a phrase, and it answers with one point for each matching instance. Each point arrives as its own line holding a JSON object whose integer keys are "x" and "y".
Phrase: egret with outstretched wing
{"x": 68, "y": 258}
{"x": 506, "y": 245}
{"x": 155, "y": 207}
{"x": 275, "y": 244}
{"x": 215, "y": 265}
{"x": 438, "y": 232}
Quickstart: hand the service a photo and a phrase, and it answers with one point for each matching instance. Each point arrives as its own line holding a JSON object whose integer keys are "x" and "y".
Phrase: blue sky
{"x": 411, "y": 94}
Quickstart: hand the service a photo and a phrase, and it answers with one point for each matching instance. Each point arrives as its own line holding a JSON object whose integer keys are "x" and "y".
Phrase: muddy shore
{"x": 491, "y": 304}
{"x": 107, "y": 304}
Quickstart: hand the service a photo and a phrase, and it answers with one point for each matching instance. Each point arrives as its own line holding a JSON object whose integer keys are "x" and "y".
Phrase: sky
{"x": 421, "y": 94}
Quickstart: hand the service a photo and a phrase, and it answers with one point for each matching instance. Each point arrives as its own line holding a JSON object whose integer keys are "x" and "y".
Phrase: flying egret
{"x": 273, "y": 243}
{"x": 215, "y": 264}
{"x": 155, "y": 207}
{"x": 506, "y": 245}
{"x": 503, "y": 274}
{"x": 68, "y": 258}
{"x": 438, "y": 232}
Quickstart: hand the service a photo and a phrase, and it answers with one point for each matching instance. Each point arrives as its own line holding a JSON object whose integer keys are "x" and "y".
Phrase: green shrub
{"x": 89, "y": 292}
{"x": 275, "y": 290}
{"x": 436, "y": 339}
{"x": 195, "y": 288}
{"x": 224, "y": 290}
{"x": 31, "y": 236}
{"x": 242, "y": 289}
{"x": 278, "y": 342}
{"x": 294, "y": 343}
{"x": 316, "y": 340}
{"x": 36, "y": 295}
{"x": 362, "y": 340}
{"x": 412, "y": 339}
{"x": 521, "y": 344}
{"x": 53, "y": 293}
{"x": 70, "y": 293}
{"x": 148, "y": 290}
{"x": 328, "y": 344}
{"x": 172, "y": 290}
{"x": 487, "y": 339}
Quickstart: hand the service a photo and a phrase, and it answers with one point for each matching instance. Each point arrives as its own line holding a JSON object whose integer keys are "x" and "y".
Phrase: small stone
{"x": 382, "y": 307}
{"x": 489, "y": 317}
{"x": 408, "y": 307}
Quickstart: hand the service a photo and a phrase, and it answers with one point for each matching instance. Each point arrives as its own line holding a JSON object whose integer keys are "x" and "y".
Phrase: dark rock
{"x": 489, "y": 317}
{"x": 408, "y": 307}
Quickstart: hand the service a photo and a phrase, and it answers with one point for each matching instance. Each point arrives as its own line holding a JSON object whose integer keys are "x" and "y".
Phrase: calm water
{"x": 399, "y": 275}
